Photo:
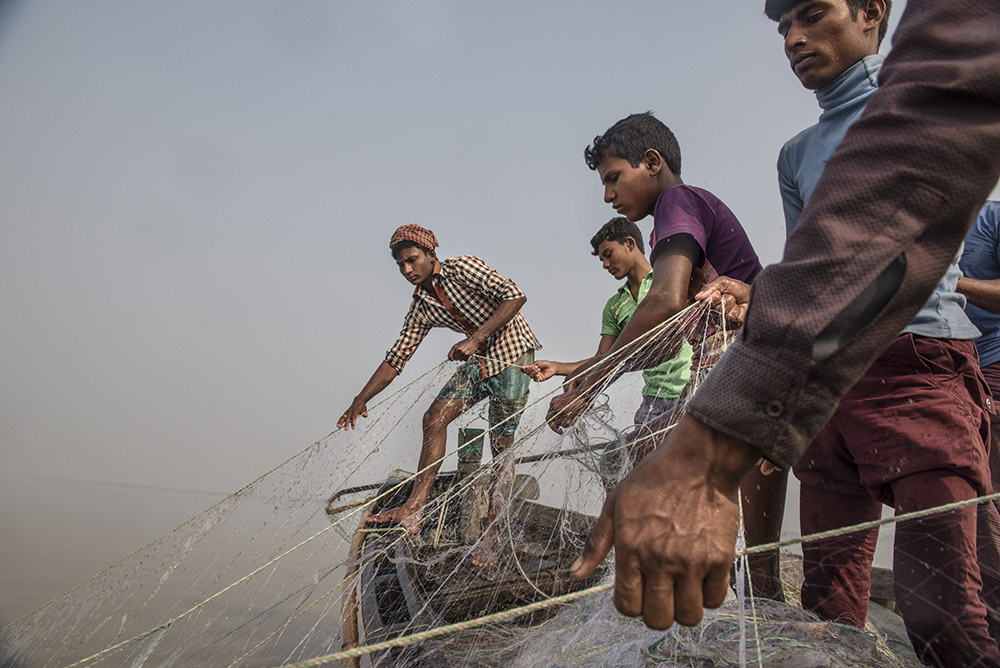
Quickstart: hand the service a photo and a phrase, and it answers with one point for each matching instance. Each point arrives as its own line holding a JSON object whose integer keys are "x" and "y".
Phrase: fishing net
{"x": 285, "y": 570}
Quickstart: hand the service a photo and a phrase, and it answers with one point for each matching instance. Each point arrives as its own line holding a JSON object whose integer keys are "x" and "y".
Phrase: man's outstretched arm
{"x": 415, "y": 328}
{"x": 380, "y": 380}
{"x": 544, "y": 369}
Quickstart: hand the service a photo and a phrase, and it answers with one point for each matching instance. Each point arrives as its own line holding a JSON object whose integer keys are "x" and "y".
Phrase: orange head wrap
{"x": 416, "y": 234}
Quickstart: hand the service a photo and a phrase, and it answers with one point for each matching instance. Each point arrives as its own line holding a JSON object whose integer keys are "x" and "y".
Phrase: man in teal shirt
{"x": 619, "y": 246}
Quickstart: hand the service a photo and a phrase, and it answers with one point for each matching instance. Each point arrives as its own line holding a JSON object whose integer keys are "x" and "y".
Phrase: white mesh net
{"x": 285, "y": 570}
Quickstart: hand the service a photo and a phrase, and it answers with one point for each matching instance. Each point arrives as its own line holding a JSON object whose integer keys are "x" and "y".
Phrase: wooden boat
{"x": 409, "y": 583}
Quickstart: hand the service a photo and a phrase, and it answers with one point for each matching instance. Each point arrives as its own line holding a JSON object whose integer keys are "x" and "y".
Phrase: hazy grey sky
{"x": 197, "y": 197}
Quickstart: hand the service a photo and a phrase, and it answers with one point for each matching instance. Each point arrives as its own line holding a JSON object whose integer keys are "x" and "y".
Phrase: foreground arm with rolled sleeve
{"x": 878, "y": 233}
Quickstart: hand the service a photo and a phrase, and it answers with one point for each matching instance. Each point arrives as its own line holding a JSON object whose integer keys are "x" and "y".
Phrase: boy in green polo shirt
{"x": 619, "y": 246}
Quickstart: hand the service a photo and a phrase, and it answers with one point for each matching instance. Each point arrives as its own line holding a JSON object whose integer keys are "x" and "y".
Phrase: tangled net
{"x": 284, "y": 571}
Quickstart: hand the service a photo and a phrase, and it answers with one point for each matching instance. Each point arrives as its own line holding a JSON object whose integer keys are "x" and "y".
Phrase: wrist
{"x": 598, "y": 372}
{"x": 725, "y": 460}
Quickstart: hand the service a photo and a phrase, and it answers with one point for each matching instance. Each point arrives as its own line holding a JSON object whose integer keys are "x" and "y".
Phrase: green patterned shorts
{"x": 507, "y": 390}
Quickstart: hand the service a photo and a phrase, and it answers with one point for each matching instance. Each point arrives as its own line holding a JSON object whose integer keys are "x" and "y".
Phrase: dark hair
{"x": 775, "y": 9}
{"x": 618, "y": 229}
{"x": 631, "y": 137}
{"x": 403, "y": 245}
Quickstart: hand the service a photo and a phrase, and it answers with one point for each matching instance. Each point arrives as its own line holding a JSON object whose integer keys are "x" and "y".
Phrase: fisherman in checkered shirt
{"x": 463, "y": 294}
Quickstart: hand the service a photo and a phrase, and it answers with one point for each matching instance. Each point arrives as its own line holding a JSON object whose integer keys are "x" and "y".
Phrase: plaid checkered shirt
{"x": 476, "y": 291}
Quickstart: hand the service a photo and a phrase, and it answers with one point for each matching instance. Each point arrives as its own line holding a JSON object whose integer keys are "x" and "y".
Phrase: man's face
{"x": 631, "y": 191}
{"x": 822, "y": 40}
{"x": 616, "y": 258}
{"x": 415, "y": 265}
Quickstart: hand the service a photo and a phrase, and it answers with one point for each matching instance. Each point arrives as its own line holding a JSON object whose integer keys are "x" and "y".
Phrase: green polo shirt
{"x": 666, "y": 380}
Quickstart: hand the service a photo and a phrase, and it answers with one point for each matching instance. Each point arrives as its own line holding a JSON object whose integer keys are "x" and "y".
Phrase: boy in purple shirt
{"x": 694, "y": 234}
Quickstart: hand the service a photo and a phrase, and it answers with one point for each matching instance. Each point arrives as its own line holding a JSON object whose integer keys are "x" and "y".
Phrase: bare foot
{"x": 408, "y": 518}
{"x": 484, "y": 556}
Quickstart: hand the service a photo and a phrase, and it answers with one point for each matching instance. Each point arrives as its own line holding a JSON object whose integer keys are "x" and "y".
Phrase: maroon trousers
{"x": 988, "y": 519}
{"x": 909, "y": 434}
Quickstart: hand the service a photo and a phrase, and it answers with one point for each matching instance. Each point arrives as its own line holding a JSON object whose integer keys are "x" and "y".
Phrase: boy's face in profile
{"x": 631, "y": 191}
{"x": 822, "y": 40}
